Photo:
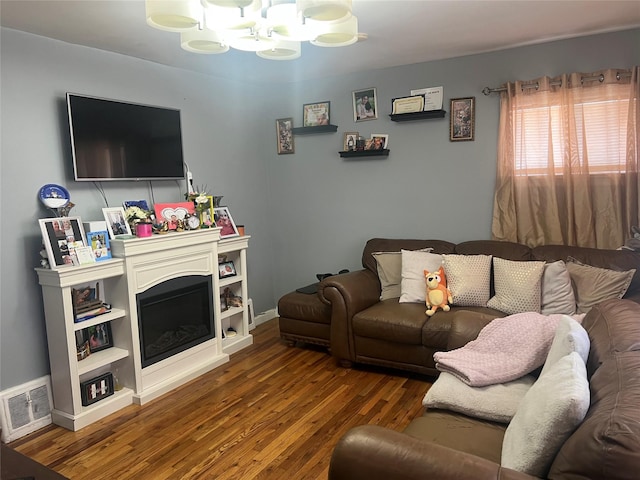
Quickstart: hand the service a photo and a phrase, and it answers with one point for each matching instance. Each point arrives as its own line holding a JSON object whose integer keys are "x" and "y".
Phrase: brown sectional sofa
{"x": 445, "y": 445}
{"x": 387, "y": 333}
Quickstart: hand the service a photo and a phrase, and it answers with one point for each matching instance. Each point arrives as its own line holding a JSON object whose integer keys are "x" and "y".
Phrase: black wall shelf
{"x": 405, "y": 117}
{"x": 364, "y": 153}
{"x": 313, "y": 130}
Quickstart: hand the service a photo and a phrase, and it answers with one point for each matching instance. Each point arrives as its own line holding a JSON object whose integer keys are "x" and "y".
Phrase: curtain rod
{"x": 589, "y": 78}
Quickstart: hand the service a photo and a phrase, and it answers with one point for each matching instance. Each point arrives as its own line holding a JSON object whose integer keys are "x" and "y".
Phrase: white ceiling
{"x": 399, "y": 32}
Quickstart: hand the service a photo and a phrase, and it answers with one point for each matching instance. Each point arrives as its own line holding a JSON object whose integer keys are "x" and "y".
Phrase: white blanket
{"x": 506, "y": 349}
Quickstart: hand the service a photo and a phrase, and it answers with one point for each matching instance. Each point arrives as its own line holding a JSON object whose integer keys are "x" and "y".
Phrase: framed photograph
{"x": 116, "y": 221}
{"x": 61, "y": 237}
{"x": 350, "y": 139}
{"x": 99, "y": 243}
{"x": 98, "y": 336}
{"x": 96, "y": 389}
{"x": 142, "y": 204}
{"x": 226, "y": 269}
{"x": 284, "y": 131}
{"x": 206, "y": 215}
{"x": 315, "y": 114}
{"x": 380, "y": 141}
{"x": 223, "y": 219}
{"x": 462, "y": 119}
{"x": 173, "y": 213}
{"x": 365, "y": 105}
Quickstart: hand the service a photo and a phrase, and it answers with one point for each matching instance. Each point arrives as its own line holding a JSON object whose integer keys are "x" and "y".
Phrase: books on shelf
{"x": 104, "y": 308}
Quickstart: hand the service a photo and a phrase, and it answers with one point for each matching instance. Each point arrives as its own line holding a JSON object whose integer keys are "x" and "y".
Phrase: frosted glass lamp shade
{"x": 223, "y": 18}
{"x": 230, "y": 3}
{"x": 203, "y": 41}
{"x": 325, "y": 10}
{"x": 286, "y": 24}
{"x": 252, "y": 43}
{"x": 173, "y": 15}
{"x": 283, "y": 50}
{"x": 338, "y": 34}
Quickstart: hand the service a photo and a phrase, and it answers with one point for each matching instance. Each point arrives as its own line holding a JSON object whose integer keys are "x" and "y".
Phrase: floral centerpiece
{"x": 137, "y": 215}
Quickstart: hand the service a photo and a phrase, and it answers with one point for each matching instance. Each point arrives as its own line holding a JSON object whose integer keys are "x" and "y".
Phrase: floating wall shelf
{"x": 313, "y": 130}
{"x": 364, "y": 153}
{"x": 405, "y": 117}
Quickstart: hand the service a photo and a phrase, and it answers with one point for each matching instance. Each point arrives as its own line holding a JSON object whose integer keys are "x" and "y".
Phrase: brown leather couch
{"x": 400, "y": 335}
{"x": 445, "y": 445}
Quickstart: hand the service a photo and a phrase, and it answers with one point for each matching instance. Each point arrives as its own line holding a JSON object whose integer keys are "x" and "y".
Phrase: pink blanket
{"x": 505, "y": 350}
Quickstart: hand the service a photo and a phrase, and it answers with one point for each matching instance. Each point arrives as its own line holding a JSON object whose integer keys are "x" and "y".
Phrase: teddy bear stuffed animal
{"x": 438, "y": 295}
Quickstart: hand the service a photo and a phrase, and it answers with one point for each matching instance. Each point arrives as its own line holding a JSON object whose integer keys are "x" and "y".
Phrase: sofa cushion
{"x": 391, "y": 321}
{"x": 468, "y": 279}
{"x": 517, "y": 286}
{"x": 494, "y": 402}
{"x": 413, "y": 286}
{"x": 593, "y": 285}
{"x": 557, "y": 290}
{"x": 389, "y": 267}
{"x": 569, "y": 337}
{"x": 395, "y": 245}
{"x": 548, "y": 414}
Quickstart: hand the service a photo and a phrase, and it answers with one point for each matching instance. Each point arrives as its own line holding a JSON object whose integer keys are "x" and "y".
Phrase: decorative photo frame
{"x": 226, "y": 269}
{"x": 350, "y": 140}
{"x": 223, "y": 219}
{"x": 365, "y": 105}
{"x": 61, "y": 237}
{"x": 142, "y": 204}
{"x": 284, "y": 131}
{"x": 173, "y": 213}
{"x": 380, "y": 141}
{"x": 116, "y": 221}
{"x": 315, "y": 114}
{"x": 462, "y": 119}
{"x": 99, "y": 243}
{"x": 99, "y": 337}
{"x": 96, "y": 389}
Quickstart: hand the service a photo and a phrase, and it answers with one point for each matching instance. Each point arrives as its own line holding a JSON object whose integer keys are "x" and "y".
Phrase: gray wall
{"x": 307, "y": 213}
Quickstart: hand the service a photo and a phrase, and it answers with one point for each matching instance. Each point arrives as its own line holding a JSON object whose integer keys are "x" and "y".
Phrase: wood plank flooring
{"x": 272, "y": 412}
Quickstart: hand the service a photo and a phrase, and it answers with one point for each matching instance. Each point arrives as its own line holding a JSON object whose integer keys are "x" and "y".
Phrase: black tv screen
{"x": 115, "y": 140}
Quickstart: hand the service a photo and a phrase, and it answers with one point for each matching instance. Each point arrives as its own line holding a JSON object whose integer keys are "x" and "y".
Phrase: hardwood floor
{"x": 272, "y": 412}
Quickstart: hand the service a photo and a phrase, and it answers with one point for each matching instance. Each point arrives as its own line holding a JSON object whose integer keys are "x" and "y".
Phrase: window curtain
{"x": 567, "y": 170}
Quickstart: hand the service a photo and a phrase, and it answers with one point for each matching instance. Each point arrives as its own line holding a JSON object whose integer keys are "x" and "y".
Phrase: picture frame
{"x": 173, "y": 213}
{"x": 96, "y": 389}
{"x": 142, "y": 204}
{"x": 462, "y": 119}
{"x": 116, "y": 219}
{"x": 365, "y": 105}
{"x": 284, "y": 132}
{"x": 100, "y": 245}
{"x": 316, "y": 114}
{"x": 226, "y": 269}
{"x": 350, "y": 141}
{"x": 380, "y": 141}
{"x": 99, "y": 337}
{"x": 223, "y": 219}
{"x": 61, "y": 236}
{"x": 207, "y": 214}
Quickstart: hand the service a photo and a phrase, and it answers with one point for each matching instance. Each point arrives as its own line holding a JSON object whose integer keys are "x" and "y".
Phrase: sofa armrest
{"x": 347, "y": 294}
{"x": 371, "y": 452}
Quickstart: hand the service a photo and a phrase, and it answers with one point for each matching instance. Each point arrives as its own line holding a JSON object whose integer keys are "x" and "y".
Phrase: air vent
{"x": 25, "y": 408}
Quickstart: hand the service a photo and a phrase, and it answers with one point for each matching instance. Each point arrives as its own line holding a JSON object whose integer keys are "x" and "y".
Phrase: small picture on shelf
{"x": 223, "y": 219}
{"x": 350, "y": 139}
{"x": 98, "y": 336}
{"x": 61, "y": 238}
{"x": 96, "y": 389}
{"x": 99, "y": 243}
{"x": 226, "y": 269}
{"x": 315, "y": 114}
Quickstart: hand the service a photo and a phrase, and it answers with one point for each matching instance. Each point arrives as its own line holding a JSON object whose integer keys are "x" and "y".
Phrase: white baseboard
{"x": 265, "y": 316}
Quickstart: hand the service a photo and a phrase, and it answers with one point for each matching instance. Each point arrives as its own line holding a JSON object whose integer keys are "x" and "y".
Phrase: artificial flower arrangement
{"x": 137, "y": 215}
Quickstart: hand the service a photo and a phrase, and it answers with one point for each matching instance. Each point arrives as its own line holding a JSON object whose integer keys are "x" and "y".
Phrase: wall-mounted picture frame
{"x": 380, "y": 141}
{"x": 462, "y": 119}
{"x": 315, "y": 114}
{"x": 99, "y": 243}
{"x": 365, "y": 105}
{"x": 284, "y": 133}
{"x": 226, "y": 269}
{"x": 223, "y": 219}
{"x": 173, "y": 213}
{"x": 96, "y": 389}
{"x": 116, "y": 221}
{"x": 61, "y": 237}
{"x": 350, "y": 140}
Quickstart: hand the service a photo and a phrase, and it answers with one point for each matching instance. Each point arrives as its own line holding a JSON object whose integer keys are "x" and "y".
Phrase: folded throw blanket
{"x": 506, "y": 349}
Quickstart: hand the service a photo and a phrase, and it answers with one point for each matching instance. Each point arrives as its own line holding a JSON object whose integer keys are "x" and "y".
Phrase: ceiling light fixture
{"x": 274, "y": 29}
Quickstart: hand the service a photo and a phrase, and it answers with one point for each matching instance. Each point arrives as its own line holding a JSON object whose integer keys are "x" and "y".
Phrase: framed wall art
{"x": 225, "y": 222}
{"x": 116, "y": 221}
{"x": 315, "y": 114}
{"x": 462, "y": 119}
{"x": 62, "y": 236}
{"x": 284, "y": 132}
{"x": 365, "y": 106}
{"x": 380, "y": 141}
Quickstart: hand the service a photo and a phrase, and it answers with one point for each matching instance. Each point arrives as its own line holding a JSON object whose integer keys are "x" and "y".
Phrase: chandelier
{"x": 274, "y": 29}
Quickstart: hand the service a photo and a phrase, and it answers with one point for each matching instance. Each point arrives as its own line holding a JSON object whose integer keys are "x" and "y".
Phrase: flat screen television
{"x": 116, "y": 140}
